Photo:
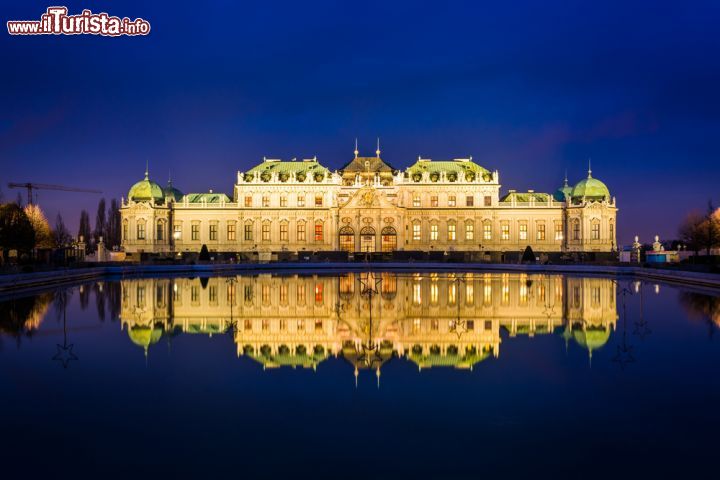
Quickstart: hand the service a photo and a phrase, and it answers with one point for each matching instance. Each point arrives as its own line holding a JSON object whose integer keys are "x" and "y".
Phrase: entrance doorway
{"x": 367, "y": 239}
{"x": 389, "y": 239}
{"x": 347, "y": 239}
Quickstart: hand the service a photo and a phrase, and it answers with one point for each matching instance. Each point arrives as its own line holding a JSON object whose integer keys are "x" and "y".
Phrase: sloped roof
{"x": 470, "y": 168}
{"x": 207, "y": 197}
{"x": 376, "y": 165}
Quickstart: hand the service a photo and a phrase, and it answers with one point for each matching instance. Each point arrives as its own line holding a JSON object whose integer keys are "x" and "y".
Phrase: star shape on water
{"x": 624, "y": 355}
{"x": 641, "y": 329}
{"x": 459, "y": 327}
{"x": 65, "y": 354}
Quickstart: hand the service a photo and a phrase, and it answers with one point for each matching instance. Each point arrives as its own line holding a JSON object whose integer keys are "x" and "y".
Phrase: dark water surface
{"x": 361, "y": 375}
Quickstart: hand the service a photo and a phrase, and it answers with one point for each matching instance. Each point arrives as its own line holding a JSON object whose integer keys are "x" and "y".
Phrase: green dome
{"x": 592, "y": 338}
{"x": 144, "y": 336}
{"x": 173, "y": 193}
{"x": 591, "y": 189}
{"x": 562, "y": 192}
{"x": 146, "y": 190}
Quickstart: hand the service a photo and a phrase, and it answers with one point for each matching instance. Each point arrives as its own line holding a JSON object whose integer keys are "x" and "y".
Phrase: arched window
{"x": 367, "y": 239}
{"x": 347, "y": 239}
{"x": 389, "y": 239}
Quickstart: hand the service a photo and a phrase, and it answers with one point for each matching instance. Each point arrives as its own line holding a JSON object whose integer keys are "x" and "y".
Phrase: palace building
{"x": 369, "y": 206}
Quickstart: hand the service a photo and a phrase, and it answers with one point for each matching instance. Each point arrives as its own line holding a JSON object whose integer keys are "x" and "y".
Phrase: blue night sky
{"x": 528, "y": 88}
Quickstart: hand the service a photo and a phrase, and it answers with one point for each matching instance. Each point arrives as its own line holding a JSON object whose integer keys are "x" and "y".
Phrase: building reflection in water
{"x": 433, "y": 320}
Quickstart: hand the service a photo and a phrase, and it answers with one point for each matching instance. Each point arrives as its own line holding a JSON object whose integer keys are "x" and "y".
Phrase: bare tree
{"x": 84, "y": 229}
{"x": 60, "y": 233}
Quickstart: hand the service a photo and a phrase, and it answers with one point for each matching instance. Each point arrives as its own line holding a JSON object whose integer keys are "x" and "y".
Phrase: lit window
{"x": 319, "y": 236}
{"x": 318, "y": 200}
{"x": 541, "y": 231}
{"x": 213, "y": 232}
{"x": 318, "y": 293}
{"x": 195, "y": 232}
{"x": 248, "y": 201}
{"x": 283, "y": 201}
{"x": 301, "y": 294}
{"x": 451, "y": 232}
{"x": 248, "y": 232}
{"x": 451, "y": 201}
{"x": 434, "y": 201}
{"x": 265, "y": 201}
{"x": 416, "y": 200}
{"x": 177, "y": 232}
{"x": 416, "y": 232}
{"x": 300, "y": 200}
{"x": 469, "y": 201}
{"x": 469, "y": 231}
{"x": 487, "y": 231}
{"x": 505, "y": 231}
{"x": 283, "y": 232}
{"x": 433, "y": 232}
{"x": 488, "y": 200}
{"x": 231, "y": 232}
{"x": 523, "y": 231}
{"x": 265, "y": 232}
{"x": 301, "y": 232}
{"x": 558, "y": 231}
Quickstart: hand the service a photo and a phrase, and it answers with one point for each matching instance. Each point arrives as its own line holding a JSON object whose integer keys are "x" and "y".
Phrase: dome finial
{"x": 566, "y": 180}
{"x": 589, "y": 167}
{"x": 356, "y": 148}
{"x": 147, "y": 169}
{"x": 169, "y": 177}
{"x": 377, "y": 152}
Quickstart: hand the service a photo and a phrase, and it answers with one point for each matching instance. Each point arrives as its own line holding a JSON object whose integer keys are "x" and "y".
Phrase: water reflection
{"x": 433, "y": 320}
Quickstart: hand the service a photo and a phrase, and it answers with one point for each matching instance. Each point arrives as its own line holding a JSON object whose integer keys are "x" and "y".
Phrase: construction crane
{"x": 42, "y": 186}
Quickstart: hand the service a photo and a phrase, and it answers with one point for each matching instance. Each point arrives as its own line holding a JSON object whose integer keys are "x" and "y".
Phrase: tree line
{"x": 701, "y": 231}
{"x": 26, "y": 228}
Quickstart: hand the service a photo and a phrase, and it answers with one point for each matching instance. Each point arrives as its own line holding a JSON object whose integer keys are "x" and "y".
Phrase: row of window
{"x": 452, "y": 201}
{"x": 248, "y": 232}
{"x": 487, "y": 233}
{"x": 299, "y": 201}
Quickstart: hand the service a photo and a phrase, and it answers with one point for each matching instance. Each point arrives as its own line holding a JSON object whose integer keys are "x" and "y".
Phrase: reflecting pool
{"x": 383, "y": 374}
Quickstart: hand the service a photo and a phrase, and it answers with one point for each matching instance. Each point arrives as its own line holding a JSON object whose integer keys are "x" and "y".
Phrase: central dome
{"x": 591, "y": 189}
{"x": 146, "y": 191}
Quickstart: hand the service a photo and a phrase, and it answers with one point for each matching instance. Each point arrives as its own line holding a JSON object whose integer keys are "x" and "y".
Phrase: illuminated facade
{"x": 432, "y": 319}
{"x": 368, "y": 206}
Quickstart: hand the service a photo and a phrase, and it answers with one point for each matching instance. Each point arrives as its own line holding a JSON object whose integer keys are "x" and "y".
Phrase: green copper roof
{"x": 564, "y": 191}
{"x": 591, "y": 338}
{"x": 284, "y": 169}
{"x": 207, "y": 197}
{"x": 451, "y": 168}
{"x": 591, "y": 188}
{"x": 448, "y": 360}
{"x": 526, "y": 197}
{"x": 144, "y": 336}
{"x": 146, "y": 190}
{"x": 171, "y": 192}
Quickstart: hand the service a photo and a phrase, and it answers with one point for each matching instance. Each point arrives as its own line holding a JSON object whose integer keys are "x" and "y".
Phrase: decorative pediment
{"x": 368, "y": 197}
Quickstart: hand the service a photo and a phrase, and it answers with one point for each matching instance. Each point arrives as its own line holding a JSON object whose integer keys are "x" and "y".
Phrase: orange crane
{"x": 43, "y": 186}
